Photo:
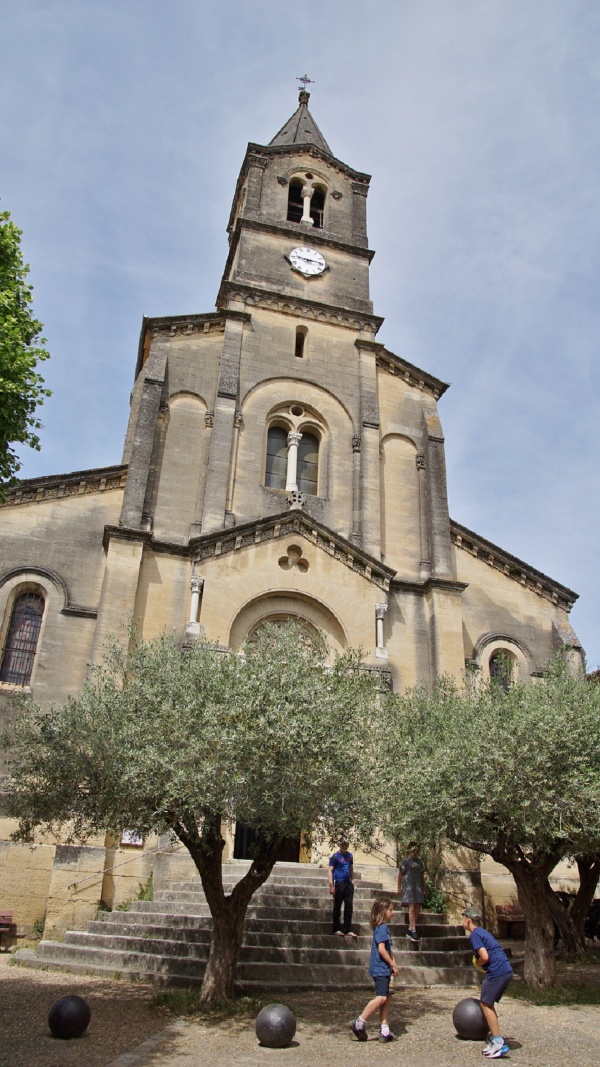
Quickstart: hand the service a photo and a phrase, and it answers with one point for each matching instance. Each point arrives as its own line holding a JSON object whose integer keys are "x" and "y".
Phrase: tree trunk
{"x": 540, "y": 961}
{"x": 589, "y": 873}
{"x": 228, "y": 912}
{"x": 573, "y": 944}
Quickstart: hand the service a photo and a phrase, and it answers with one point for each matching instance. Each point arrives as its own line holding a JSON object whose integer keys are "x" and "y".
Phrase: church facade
{"x": 280, "y": 461}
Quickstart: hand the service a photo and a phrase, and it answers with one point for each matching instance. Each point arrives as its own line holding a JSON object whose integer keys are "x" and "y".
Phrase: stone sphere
{"x": 275, "y": 1026}
{"x": 69, "y": 1017}
{"x": 469, "y": 1020}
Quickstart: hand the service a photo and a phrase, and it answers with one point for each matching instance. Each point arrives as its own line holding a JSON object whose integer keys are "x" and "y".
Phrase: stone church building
{"x": 279, "y": 461}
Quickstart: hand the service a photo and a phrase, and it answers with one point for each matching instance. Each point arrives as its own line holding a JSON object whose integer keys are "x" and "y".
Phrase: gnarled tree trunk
{"x": 228, "y": 911}
{"x": 572, "y": 943}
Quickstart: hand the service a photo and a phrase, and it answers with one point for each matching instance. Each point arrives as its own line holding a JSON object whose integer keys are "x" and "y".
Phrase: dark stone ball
{"x": 469, "y": 1020}
{"x": 69, "y": 1017}
{"x": 275, "y": 1026}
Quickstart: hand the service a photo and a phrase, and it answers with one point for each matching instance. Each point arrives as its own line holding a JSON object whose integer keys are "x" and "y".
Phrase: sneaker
{"x": 413, "y": 935}
{"x": 350, "y": 933}
{"x": 360, "y": 1034}
{"x": 387, "y": 1037}
{"x": 340, "y": 933}
{"x": 496, "y": 1051}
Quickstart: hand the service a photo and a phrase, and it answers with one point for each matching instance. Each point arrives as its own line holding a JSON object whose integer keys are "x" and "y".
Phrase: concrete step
{"x": 287, "y": 938}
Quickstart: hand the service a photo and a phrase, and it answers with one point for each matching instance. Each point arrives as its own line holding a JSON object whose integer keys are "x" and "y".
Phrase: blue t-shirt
{"x": 342, "y": 866}
{"x": 377, "y": 965}
{"x": 498, "y": 962}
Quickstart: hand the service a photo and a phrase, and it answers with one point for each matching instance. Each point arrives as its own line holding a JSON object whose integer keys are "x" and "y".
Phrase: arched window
{"x": 276, "y": 465}
{"x": 501, "y": 667}
{"x": 295, "y": 202}
{"x": 22, "y": 639}
{"x": 308, "y": 464}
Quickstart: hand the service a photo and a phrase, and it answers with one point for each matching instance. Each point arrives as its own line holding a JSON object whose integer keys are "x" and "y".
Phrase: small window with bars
{"x": 22, "y": 640}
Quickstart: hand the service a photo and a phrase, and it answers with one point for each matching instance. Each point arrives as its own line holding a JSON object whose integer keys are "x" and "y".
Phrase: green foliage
{"x": 160, "y": 739}
{"x": 484, "y": 766}
{"x": 38, "y": 927}
{"x": 146, "y": 890}
{"x": 435, "y": 899}
{"x": 21, "y": 349}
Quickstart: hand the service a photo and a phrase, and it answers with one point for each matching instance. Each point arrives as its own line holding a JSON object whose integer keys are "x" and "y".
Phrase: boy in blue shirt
{"x": 341, "y": 887}
{"x": 491, "y": 958}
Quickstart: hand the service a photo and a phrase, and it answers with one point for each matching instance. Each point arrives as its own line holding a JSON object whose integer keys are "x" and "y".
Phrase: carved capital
{"x": 381, "y": 611}
{"x": 296, "y": 499}
{"x": 209, "y": 418}
{"x": 360, "y": 189}
{"x": 257, "y": 161}
{"x": 196, "y": 584}
{"x": 293, "y": 438}
{"x": 420, "y": 458}
{"x": 356, "y": 442}
{"x": 237, "y": 422}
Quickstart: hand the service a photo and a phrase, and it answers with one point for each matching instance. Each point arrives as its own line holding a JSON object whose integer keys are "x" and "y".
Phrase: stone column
{"x": 196, "y": 586}
{"x": 307, "y": 192}
{"x": 380, "y": 614}
{"x": 293, "y": 440}
{"x": 425, "y": 564}
{"x": 356, "y": 508}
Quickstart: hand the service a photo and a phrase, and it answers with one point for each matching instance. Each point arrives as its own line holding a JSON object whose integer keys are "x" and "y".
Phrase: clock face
{"x": 307, "y": 261}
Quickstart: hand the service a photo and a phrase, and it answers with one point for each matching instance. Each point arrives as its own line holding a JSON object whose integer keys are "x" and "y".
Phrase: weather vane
{"x": 305, "y": 81}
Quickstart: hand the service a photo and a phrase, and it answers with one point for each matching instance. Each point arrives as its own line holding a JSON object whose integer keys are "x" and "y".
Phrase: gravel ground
{"x": 125, "y": 1032}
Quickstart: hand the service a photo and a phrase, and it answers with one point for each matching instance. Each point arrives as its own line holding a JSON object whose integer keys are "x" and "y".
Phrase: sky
{"x": 123, "y": 127}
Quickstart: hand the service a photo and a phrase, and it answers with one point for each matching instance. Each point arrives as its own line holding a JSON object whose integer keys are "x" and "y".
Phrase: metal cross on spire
{"x": 305, "y": 81}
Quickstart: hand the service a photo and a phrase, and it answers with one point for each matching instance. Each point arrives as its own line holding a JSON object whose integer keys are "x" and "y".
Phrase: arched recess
{"x": 491, "y": 645}
{"x": 400, "y": 506}
{"x": 273, "y": 402}
{"x": 180, "y": 473}
{"x": 274, "y": 607}
{"x": 48, "y": 592}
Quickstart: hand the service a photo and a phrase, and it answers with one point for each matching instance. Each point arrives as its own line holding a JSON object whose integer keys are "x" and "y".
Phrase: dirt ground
{"x": 126, "y": 1032}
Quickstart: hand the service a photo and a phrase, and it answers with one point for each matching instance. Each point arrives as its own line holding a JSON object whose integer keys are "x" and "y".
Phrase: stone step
{"x": 286, "y": 938}
{"x": 347, "y": 953}
{"x": 173, "y": 970}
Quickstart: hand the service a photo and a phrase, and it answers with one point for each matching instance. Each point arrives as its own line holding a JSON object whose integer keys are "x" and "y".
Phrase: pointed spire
{"x": 301, "y": 128}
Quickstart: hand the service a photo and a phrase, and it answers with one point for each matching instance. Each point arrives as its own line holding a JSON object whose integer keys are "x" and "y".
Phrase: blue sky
{"x": 123, "y": 127}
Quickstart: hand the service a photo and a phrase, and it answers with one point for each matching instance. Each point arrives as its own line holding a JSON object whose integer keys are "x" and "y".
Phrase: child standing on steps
{"x": 381, "y": 967}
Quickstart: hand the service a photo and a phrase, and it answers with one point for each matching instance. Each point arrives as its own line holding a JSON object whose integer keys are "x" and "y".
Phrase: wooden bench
{"x": 8, "y": 930}
{"x": 509, "y": 915}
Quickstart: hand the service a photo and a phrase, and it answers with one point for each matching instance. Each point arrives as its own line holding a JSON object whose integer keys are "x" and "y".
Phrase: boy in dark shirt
{"x": 341, "y": 887}
{"x": 492, "y": 958}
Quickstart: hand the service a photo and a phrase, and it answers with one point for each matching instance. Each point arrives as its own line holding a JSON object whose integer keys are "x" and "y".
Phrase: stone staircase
{"x": 288, "y": 942}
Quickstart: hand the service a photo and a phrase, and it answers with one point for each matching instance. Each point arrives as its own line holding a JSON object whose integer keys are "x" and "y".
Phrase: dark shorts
{"x": 493, "y": 988}
{"x": 382, "y": 985}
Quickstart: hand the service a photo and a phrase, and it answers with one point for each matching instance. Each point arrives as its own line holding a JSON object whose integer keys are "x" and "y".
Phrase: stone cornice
{"x": 512, "y": 567}
{"x": 321, "y": 238}
{"x": 300, "y": 307}
{"x": 401, "y": 368}
{"x": 293, "y": 522}
{"x": 57, "y": 486}
{"x": 403, "y": 585}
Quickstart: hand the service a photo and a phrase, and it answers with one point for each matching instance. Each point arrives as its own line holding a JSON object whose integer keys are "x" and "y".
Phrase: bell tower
{"x": 298, "y": 222}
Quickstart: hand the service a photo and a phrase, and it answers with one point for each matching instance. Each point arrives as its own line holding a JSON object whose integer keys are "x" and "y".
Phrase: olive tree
{"x": 21, "y": 349}
{"x": 510, "y": 771}
{"x": 162, "y": 739}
